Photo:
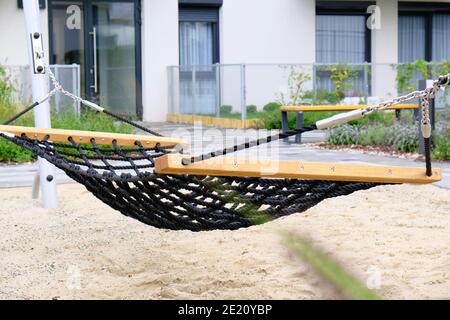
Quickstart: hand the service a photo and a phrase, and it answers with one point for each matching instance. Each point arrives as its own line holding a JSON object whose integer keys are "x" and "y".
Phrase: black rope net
{"x": 123, "y": 178}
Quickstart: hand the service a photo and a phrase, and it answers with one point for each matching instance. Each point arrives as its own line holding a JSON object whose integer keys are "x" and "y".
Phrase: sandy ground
{"x": 393, "y": 237}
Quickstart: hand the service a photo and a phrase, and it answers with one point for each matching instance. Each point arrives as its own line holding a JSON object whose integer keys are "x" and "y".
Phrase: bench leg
{"x": 284, "y": 123}
{"x": 397, "y": 115}
{"x": 299, "y": 125}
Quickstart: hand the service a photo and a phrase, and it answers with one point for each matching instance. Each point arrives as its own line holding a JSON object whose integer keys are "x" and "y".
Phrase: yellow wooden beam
{"x": 343, "y": 107}
{"x": 229, "y": 166}
{"x": 61, "y": 135}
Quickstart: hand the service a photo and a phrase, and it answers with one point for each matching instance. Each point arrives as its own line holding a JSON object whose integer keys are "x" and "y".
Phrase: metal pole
{"x": 218, "y": 93}
{"x": 243, "y": 93}
{"x": 194, "y": 89}
{"x": 39, "y": 90}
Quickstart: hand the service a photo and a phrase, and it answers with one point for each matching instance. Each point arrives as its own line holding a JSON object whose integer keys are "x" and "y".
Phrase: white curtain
{"x": 411, "y": 38}
{"x": 196, "y": 43}
{"x": 340, "y": 38}
{"x": 441, "y": 37}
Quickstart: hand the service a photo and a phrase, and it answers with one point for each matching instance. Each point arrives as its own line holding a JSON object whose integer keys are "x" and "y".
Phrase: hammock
{"x": 196, "y": 193}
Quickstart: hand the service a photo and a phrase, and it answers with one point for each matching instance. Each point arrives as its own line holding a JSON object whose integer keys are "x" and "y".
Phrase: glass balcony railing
{"x": 236, "y": 90}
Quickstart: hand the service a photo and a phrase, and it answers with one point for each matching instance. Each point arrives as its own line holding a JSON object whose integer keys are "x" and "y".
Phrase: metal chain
{"x": 427, "y": 93}
{"x": 58, "y": 87}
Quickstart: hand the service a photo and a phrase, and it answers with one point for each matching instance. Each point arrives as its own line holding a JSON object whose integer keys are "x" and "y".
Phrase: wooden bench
{"x": 300, "y": 109}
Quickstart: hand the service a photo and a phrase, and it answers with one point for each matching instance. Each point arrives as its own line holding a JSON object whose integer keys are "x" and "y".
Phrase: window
{"x": 423, "y": 31}
{"x": 199, "y": 50}
{"x": 198, "y": 36}
{"x": 342, "y": 37}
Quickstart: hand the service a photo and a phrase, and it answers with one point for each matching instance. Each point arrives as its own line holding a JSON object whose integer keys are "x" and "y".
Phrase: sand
{"x": 394, "y": 238}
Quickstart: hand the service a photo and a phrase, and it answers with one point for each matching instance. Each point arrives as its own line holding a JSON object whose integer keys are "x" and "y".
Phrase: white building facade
{"x": 124, "y": 47}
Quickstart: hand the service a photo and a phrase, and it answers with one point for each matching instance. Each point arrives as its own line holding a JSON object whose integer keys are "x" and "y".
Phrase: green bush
{"x": 400, "y": 137}
{"x": 226, "y": 109}
{"x": 403, "y": 137}
{"x": 271, "y": 106}
{"x": 441, "y": 150}
{"x": 9, "y": 152}
{"x": 343, "y": 135}
{"x": 374, "y": 135}
{"x": 251, "y": 108}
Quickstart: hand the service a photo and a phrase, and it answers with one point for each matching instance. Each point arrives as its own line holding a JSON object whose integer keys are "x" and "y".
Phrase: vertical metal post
{"x": 314, "y": 84}
{"x": 299, "y": 125}
{"x": 194, "y": 89}
{"x": 366, "y": 82}
{"x": 243, "y": 94}
{"x": 39, "y": 89}
{"x": 284, "y": 123}
{"x": 218, "y": 93}
{"x": 74, "y": 70}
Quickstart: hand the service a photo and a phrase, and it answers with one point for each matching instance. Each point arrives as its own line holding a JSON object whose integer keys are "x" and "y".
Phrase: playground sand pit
{"x": 394, "y": 238}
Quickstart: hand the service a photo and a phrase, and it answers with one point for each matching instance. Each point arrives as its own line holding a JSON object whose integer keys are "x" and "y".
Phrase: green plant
{"x": 340, "y": 73}
{"x": 403, "y": 137}
{"x": 441, "y": 150}
{"x": 6, "y": 88}
{"x": 400, "y": 136}
{"x": 374, "y": 135}
{"x": 226, "y": 109}
{"x": 271, "y": 106}
{"x": 295, "y": 87}
{"x": 343, "y": 135}
{"x": 251, "y": 108}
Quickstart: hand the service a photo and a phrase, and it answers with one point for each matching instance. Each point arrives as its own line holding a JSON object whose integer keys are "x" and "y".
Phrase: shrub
{"x": 251, "y": 108}
{"x": 9, "y": 152}
{"x": 226, "y": 109}
{"x": 441, "y": 150}
{"x": 271, "y": 106}
{"x": 374, "y": 135}
{"x": 343, "y": 135}
{"x": 403, "y": 137}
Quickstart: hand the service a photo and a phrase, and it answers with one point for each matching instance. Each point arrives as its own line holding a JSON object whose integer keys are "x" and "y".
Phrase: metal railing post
{"x": 243, "y": 93}
{"x": 194, "y": 89}
{"x": 218, "y": 88}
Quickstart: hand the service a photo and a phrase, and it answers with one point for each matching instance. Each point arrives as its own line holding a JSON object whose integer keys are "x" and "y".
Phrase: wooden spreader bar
{"x": 343, "y": 107}
{"x": 230, "y": 166}
{"x": 61, "y": 135}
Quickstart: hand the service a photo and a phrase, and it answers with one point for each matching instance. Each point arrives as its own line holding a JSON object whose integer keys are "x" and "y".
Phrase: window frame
{"x": 425, "y": 10}
{"x": 215, "y": 27}
{"x": 349, "y": 8}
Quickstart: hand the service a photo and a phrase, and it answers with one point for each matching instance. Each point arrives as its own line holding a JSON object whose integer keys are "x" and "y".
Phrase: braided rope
{"x": 123, "y": 178}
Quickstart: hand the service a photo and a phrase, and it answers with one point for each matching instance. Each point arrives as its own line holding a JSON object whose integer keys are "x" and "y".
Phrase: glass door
{"x": 104, "y": 38}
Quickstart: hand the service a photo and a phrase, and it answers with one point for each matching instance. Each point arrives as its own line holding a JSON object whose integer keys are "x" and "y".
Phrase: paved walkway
{"x": 210, "y": 139}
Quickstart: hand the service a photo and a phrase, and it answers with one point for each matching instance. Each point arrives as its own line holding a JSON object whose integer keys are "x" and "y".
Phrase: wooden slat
{"x": 61, "y": 135}
{"x": 214, "y": 121}
{"x": 343, "y": 107}
{"x": 229, "y": 166}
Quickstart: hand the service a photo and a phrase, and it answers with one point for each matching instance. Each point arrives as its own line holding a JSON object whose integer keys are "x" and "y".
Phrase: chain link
{"x": 58, "y": 87}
